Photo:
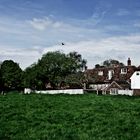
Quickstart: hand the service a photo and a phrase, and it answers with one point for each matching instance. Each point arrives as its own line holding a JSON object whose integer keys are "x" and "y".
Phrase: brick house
{"x": 109, "y": 79}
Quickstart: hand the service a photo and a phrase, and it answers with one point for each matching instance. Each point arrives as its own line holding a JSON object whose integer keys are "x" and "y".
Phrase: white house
{"x": 135, "y": 82}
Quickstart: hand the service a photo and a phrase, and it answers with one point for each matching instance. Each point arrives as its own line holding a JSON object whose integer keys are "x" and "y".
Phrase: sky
{"x": 97, "y": 29}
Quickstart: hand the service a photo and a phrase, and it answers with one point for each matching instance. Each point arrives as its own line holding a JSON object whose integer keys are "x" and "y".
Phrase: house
{"x": 135, "y": 82}
{"x": 110, "y": 79}
{"x": 114, "y": 87}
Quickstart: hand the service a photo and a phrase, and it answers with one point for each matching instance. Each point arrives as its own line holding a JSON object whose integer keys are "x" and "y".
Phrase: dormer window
{"x": 123, "y": 70}
{"x": 100, "y": 73}
{"x": 110, "y": 74}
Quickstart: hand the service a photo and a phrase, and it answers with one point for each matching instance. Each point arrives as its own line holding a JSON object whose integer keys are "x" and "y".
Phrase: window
{"x": 123, "y": 70}
{"x": 114, "y": 91}
{"x": 137, "y": 74}
{"x": 100, "y": 73}
{"x": 110, "y": 74}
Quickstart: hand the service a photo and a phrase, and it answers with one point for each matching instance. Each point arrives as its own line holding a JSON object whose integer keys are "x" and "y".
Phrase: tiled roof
{"x": 101, "y": 75}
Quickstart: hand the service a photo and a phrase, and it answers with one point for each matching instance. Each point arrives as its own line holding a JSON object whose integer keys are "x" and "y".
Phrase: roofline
{"x": 112, "y": 84}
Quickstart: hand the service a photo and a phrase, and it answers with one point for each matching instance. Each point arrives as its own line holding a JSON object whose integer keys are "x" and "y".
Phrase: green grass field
{"x": 69, "y": 117}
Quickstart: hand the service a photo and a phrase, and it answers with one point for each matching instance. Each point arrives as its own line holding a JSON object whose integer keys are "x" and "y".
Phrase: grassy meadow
{"x": 69, "y": 117}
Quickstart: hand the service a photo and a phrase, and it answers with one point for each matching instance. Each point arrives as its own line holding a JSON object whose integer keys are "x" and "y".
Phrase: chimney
{"x": 86, "y": 68}
{"x": 128, "y": 62}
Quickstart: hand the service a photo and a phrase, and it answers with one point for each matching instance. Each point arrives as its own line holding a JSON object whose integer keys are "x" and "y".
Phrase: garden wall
{"x": 125, "y": 92}
{"x": 65, "y": 91}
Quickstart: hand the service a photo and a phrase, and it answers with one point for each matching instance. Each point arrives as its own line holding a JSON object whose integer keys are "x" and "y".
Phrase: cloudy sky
{"x": 97, "y": 29}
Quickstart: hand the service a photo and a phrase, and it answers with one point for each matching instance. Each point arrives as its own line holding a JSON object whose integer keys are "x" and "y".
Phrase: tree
{"x": 0, "y": 78}
{"x": 56, "y": 66}
{"x": 75, "y": 80}
{"x": 11, "y": 75}
{"x": 97, "y": 66}
{"x": 112, "y": 63}
{"x": 53, "y": 68}
{"x": 79, "y": 64}
{"x": 32, "y": 77}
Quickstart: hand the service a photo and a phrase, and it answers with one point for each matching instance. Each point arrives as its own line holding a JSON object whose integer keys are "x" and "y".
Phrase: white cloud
{"x": 123, "y": 12}
{"x": 26, "y": 45}
{"x": 137, "y": 25}
{"x": 95, "y": 51}
{"x": 137, "y": 12}
{"x": 44, "y": 23}
{"x": 113, "y": 27}
{"x": 24, "y": 56}
{"x": 40, "y": 24}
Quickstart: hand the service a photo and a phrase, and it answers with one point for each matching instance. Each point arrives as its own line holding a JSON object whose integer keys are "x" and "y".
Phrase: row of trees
{"x": 54, "y": 68}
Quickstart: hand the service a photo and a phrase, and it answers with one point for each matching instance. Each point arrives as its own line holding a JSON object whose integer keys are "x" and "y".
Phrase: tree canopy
{"x": 11, "y": 75}
{"x": 109, "y": 63}
{"x": 53, "y": 68}
{"x": 112, "y": 62}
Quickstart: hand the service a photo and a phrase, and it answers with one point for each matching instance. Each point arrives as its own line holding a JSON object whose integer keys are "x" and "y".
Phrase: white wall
{"x": 98, "y": 86}
{"x": 125, "y": 92}
{"x": 27, "y": 90}
{"x": 135, "y": 80}
{"x": 66, "y": 91}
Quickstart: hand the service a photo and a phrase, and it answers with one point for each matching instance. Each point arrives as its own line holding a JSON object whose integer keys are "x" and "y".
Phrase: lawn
{"x": 69, "y": 117}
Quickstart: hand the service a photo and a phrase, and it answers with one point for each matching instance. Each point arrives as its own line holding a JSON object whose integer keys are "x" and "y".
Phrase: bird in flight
{"x": 62, "y": 43}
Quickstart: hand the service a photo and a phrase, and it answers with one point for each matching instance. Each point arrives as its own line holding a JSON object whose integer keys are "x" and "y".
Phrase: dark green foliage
{"x": 0, "y": 78}
{"x": 69, "y": 117}
{"x": 112, "y": 63}
{"x": 75, "y": 80}
{"x": 56, "y": 66}
{"x": 11, "y": 75}
{"x": 33, "y": 77}
{"x": 53, "y": 67}
{"x": 78, "y": 63}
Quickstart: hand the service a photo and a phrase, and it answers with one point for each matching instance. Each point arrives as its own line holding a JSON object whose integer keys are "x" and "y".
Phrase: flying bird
{"x": 62, "y": 43}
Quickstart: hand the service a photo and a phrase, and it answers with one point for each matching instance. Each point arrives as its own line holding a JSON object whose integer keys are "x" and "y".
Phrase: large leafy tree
{"x": 53, "y": 68}
{"x": 11, "y": 75}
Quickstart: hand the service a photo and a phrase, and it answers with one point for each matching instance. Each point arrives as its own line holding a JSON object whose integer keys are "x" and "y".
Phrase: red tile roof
{"x": 93, "y": 76}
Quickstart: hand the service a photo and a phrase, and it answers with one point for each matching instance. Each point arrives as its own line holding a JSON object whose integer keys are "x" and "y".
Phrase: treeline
{"x": 54, "y": 70}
